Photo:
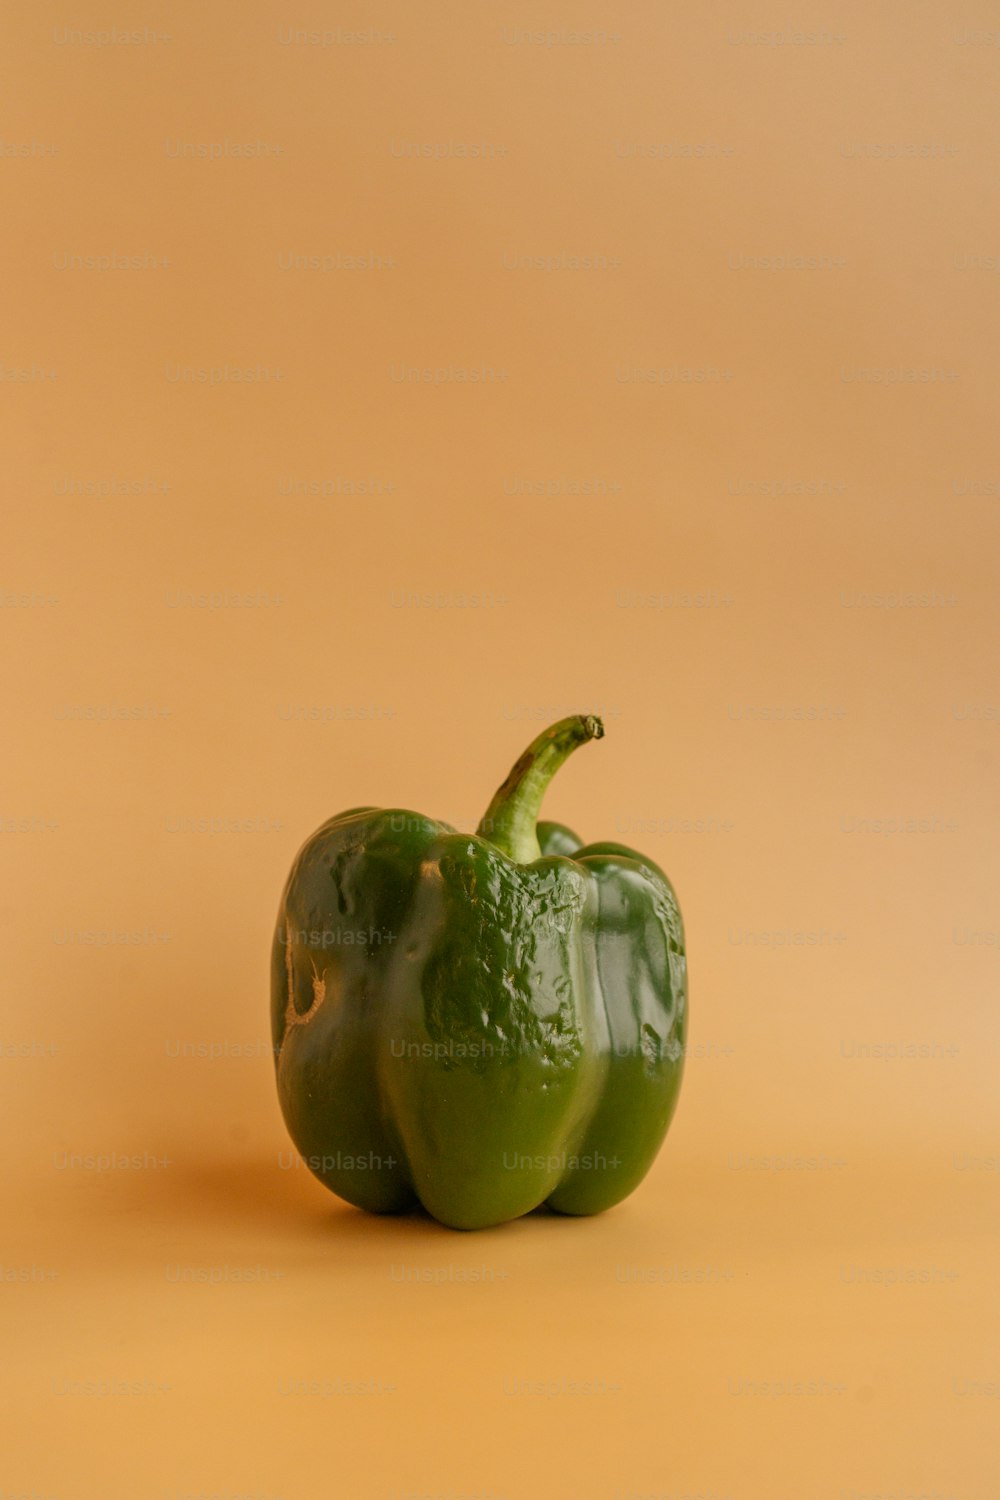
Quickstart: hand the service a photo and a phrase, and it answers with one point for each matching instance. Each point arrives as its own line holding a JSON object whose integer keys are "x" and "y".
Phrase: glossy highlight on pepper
{"x": 478, "y": 1024}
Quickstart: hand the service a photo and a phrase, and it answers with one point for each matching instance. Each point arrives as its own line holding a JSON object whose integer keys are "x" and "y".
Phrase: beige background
{"x": 232, "y": 608}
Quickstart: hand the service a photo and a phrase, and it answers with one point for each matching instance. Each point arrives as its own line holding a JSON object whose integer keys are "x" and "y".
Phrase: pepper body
{"x": 459, "y": 1027}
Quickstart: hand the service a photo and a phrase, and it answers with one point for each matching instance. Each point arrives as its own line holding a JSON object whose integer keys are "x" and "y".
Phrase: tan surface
{"x": 723, "y": 1333}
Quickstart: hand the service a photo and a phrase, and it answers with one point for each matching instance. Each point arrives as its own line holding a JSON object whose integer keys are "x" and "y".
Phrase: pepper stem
{"x": 509, "y": 821}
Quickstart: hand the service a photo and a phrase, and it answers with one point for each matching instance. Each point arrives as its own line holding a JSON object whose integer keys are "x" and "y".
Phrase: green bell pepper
{"x": 478, "y": 1024}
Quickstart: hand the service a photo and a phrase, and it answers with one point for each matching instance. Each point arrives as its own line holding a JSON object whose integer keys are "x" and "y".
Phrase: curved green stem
{"x": 509, "y": 821}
